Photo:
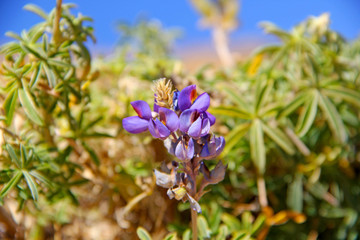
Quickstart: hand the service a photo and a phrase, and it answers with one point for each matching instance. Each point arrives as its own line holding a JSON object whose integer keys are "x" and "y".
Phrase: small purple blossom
{"x": 160, "y": 124}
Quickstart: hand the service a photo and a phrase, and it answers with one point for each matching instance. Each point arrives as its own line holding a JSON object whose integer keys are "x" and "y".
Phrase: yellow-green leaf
{"x": 257, "y": 146}
{"x": 29, "y": 106}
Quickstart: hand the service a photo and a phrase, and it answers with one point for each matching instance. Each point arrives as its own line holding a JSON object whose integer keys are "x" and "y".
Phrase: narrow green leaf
{"x": 230, "y": 112}
{"x": 35, "y": 9}
{"x": 31, "y": 184}
{"x": 186, "y": 235}
{"x": 333, "y": 118}
{"x": 9, "y": 106}
{"x": 13, "y": 35}
{"x": 273, "y": 29}
{"x": 346, "y": 94}
{"x": 234, "y": 137}
{"x": 263, "y": 94}
{"x": 13, "y": 155}
{"x": 92, "y": 153}
{"x": 36, "y": 74}
{"x": 257, "y": 146}
{"x": 50, "y": 76}
{"x": 143, "y": 234}
{"x": 11, "y": 184}
{"x": 223, "y": 232}
{"x": 231, "y": 222}
{"x": 38, "y": 53}
{"x": 23, "y": 155}
{"x": 258, "y": 224}
{"x": 280, "y": 138}
{"x": 36, "y": 174}
{"x": 294, "y": 104}
{"x": 294, "y": 197}
{"x": 307, "y": 116}
{"x": 171, "y": 236}
{"x": 235, "y": 97}
{"x": 29, "y": 106}
{"x": 204, "y": 230}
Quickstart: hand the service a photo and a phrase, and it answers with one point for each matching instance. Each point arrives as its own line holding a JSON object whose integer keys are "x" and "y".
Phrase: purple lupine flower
{"x": 160, "y": 124}
{"x": 194, "y": 123}
{"x": 194, "y": 119}
{"x": 188, "y": 99}
{"x": 185, "y": 149}
{"x": 212, "y": 147}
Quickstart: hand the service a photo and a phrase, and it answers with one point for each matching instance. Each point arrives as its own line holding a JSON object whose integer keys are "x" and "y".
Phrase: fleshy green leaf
{"x": 35, "y": 9}
{"x": 143, "y": 234}
{"x": 346, "y": 94}
{"x": 171, "y": 236}
{"x": 31, "y": 184}
{"x": 204, "y": 230}
{"x": 294, "y": 198}
{"x": 13, "y": 155}
{"x": 9, "y": 106}
{"x": 308, "y": 114}
{"x": 29, "y": 106}
{"x": 11, "y": 184}
{"x": 333, "y": 118}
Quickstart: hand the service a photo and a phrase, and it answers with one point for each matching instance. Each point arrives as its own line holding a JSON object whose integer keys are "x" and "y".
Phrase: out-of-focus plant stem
{"x": 194, "y": 224}
{"x": 221, "y": 43}
{"x": 262, "y": 191}
{"x": 57, "y": 33}
{"x": 194, "y": 171}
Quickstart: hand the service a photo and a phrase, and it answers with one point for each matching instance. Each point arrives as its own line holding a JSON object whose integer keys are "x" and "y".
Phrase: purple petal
{"x": 195, "y": 128}
{"x": 205, "y": 127}
{"x": 202, "y": 103}
{"x": 211, "y": 117}
{"x": 170, "y": 119}
{"x": 186, "y": 119}
{"x": 185, "y": 150}
{"x": 213, "y": 148}
{"x": 142, "y": 109}
{"x": 135, "y": 124}
{"x": 187, "y": 97}
{"x": 220, "y": 144}
{"x": 158, "y": 129}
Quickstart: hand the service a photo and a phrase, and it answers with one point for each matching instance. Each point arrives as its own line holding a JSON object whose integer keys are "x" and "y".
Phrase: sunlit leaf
{"x": 35, "y": 9}
{"x": 11, "y": 184}
{"x": 29, "y": 106}
{"x": 234, "y": 137}
{"x": 143, "y": 234}
{"x": 280, "y": 138}
{"x": 294, "y": 197}
{"x": 204, "y": 230}
{"x": 9, "y": 106}
{"x": 230, "y": 112}
{"x": 333, "y": 118}
{"x": 31, "y": 184}
{"x": 307, "y": 116}
{"x": 257, "y": 146}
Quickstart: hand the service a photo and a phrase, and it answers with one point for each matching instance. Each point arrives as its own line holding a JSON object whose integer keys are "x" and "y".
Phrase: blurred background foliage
{"x": 289, "y": 113}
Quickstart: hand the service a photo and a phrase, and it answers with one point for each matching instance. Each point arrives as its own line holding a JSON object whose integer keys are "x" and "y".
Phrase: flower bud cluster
{"x": 181, "y": 119}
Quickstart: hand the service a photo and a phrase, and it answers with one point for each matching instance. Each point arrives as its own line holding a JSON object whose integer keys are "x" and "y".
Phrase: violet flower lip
{"x": 161, "y": 127}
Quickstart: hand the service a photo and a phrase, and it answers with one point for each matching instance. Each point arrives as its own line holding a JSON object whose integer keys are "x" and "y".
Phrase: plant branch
{"x": 262, "y": 191}
{"x": 220, "y": 38}
{"x": 57, "y": 33}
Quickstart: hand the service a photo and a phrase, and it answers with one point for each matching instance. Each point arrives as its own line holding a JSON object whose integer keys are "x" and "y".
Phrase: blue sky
{"x": 345, "y": 16}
